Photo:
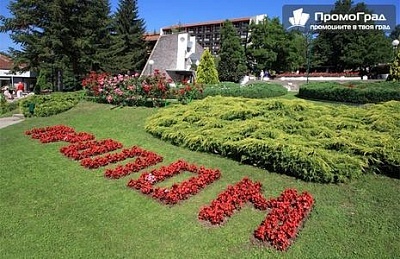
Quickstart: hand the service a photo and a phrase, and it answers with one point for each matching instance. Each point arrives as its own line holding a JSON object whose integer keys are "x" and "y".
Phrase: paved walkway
{"x": 7, "y": 121}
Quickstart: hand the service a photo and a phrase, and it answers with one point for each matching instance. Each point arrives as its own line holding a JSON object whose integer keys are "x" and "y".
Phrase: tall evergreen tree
{"x": 232, "y": 63}
{"x": 57, "y": 35}
{"x": 128, "y": 51}
{"x": 206, "y": 72}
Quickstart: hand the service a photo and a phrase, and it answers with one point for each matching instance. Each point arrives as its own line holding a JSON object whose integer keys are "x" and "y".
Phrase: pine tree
{"x": 206, "y": 72}
{"x": 232, "y": 64}
{"x": 57, "y": 35}
{"x": 128, "y": 52}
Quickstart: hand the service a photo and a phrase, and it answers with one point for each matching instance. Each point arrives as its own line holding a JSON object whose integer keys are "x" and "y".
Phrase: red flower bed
{"x": 177, "y": 192}
{"x": 282, "y": 224}
{"x": 145, "y": 159}
{"x": 279, "y": 228}
{"x": 90, "y": 148}
{"x": 232, "y": 199}
{"x": 58, "y": 133}
{"x": 100, "y": 161}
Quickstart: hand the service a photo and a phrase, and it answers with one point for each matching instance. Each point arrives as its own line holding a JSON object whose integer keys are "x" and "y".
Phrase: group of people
{"x": 19, "y": 91}
{"x": 264, "y": 75}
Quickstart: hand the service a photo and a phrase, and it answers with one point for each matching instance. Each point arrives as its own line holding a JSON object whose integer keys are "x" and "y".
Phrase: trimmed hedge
{"x": 255, "y": 90}
{"x": 51, "y": 104}
{"x": 320, "y": 143}
{"x": 361, "y": 93}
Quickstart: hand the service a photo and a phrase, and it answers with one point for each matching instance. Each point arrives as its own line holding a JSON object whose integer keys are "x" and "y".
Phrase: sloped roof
{"x": 151, "y": 37}
{"x": 163, "y": 54}
{"x": 5, "y": 62}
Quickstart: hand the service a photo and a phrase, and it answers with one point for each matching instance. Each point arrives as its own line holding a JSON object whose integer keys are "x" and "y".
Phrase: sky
{"x": 163, "y": 13}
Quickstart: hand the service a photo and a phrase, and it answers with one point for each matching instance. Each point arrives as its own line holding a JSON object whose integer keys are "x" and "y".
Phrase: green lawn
{"x": 51, "y": 207}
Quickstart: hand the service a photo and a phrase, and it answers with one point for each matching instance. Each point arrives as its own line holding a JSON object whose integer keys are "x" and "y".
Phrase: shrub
{"x": 7, "y": 106}
{"x": 352, "y": 92}
{"x": 312, "y": 142}
{"x": 42, "y": 83}
{"x": 188, "y": 92}
{"x": 256, "y": 90}
{"x": 394, "y": 73}
{"x": 127, "y": 90}
{"x": 206, "y": 71}
{"x": 51, "y": 104}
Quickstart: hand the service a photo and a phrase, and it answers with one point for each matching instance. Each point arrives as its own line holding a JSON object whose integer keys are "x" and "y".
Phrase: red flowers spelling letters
{"x": 90, "y": 148}
{"x": 177, "y": 192}
{"x": 286, "y": 213}
{"x": 58, "y": 133}
{"x": 233, "y": 199}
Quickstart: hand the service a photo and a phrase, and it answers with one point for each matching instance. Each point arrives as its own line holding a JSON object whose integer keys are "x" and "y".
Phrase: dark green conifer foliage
{"x": 358, "y": 49}
{"x": 128, "y": 51}
{"x": 232, "y": 63}
{"x": 57, "y": 35}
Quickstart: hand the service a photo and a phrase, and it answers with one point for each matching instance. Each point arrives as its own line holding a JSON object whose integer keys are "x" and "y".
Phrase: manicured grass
{"x": 51, "y": 207}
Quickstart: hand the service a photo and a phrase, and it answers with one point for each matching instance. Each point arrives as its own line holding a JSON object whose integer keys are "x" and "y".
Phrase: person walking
{"x": 20, "y": 89}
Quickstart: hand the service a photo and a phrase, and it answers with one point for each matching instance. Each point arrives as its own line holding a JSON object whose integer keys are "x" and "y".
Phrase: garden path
{"x": 7, "y": 121}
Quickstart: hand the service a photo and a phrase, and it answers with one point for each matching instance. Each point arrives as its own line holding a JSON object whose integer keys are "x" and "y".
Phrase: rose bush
{"x": 131, "y": 90}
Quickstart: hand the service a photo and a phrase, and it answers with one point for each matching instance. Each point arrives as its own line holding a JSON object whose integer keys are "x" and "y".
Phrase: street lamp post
{"x": 151, "y": 63}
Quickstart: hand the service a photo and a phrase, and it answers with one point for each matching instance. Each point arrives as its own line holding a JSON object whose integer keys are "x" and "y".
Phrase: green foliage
{"x": 394, "y": 74}
{"x": 7, "y": 106}
{"x": 351, "y": 92}
{"x": 395, "y": 34}
{"x": 53, "y": 34}
{"x": 48, "y": 105}
{"x": 189, "y": 92}
{"x": 255, "y": 90}
{"x": 358, "y": 49}
{"x": 206, "y": 72}
{"x": 232, "y": 59}
{"x": 73, "y": 212}
{"x": 41, "y": 83}
{"x": 273, "y": 48}
{"x": 312, "y": 142}
{"x": 128, "y": 50}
